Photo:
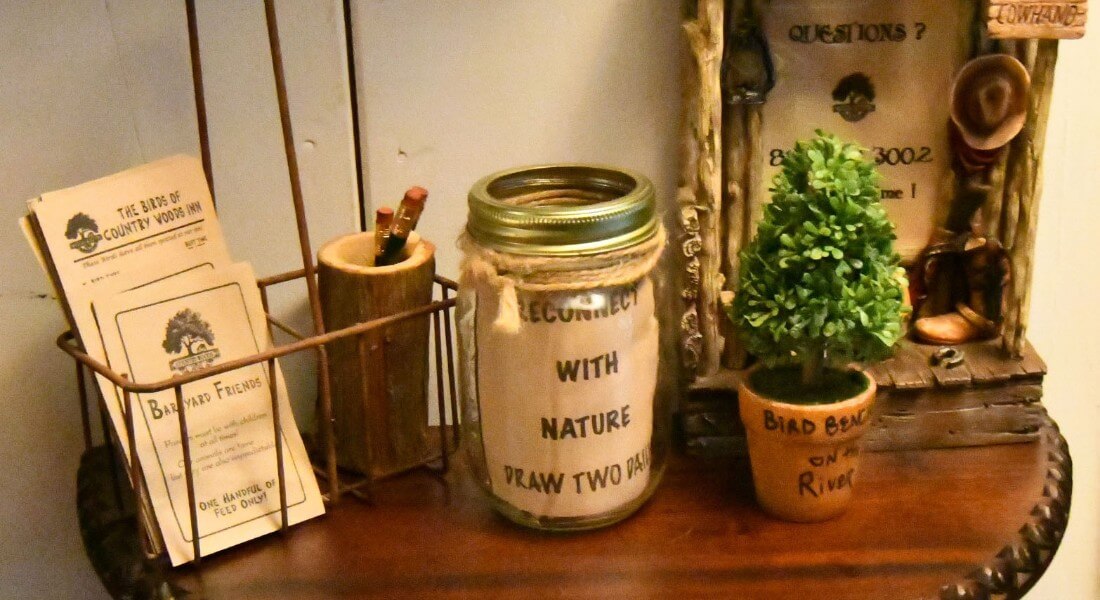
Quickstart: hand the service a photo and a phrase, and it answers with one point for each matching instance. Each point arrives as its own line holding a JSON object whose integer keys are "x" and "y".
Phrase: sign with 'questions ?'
{"x": 878, "y": 73}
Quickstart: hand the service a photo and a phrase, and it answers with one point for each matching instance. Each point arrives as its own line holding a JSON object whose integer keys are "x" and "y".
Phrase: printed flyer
{"x": 193, "y": 322}
{"x": 124, "y": 231}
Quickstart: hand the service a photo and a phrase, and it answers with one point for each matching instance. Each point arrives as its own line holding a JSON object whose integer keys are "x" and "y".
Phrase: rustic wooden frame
{"x": 719, "y": 177}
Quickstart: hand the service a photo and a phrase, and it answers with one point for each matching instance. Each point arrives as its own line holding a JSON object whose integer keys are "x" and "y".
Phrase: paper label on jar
{"x": 877, "y": 72}
{"x": 566, "y": 403}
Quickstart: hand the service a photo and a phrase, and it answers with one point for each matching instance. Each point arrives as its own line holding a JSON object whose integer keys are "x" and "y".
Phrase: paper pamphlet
{"x": 140, "y": 265}
{"x": 124, "y": 231}
{"x": 193, "y": 322}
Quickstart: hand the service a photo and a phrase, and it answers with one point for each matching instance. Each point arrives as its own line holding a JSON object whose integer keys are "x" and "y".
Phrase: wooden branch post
{"x": 1023, "y": 189}
{"x": 738, "y": 158}
{"x": 700, "y": 194}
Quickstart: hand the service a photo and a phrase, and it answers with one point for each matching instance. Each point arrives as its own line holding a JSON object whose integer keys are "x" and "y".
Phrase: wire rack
{"x": 325, "y": 465}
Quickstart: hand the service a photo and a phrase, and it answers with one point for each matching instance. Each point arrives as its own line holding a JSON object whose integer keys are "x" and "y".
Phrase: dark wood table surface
{"x": 952, "y": 523}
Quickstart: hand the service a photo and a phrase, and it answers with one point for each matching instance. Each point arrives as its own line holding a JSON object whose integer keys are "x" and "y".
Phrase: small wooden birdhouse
{"x": 950, "y": 100}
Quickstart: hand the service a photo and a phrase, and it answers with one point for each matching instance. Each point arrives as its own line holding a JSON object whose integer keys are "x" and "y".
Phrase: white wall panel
{"x": 251, "y": 184}
{"x": 67, "y": 114}
{"x": 92, "y": 87}
{"x": 453, "y": 91}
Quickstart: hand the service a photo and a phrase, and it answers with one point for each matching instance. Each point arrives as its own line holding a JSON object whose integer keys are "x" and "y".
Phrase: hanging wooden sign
{"x": 1043, "y": 19}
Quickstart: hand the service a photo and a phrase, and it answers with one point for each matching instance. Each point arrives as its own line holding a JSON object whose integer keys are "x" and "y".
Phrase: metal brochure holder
{"x": 440, "y": 310}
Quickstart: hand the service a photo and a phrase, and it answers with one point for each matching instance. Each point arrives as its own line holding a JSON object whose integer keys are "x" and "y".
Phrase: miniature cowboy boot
{"x": 952, "y": 328}
{"x": 982, "y": 315}
{"x": 938, "y": 277}
{"x": 987, "y": 274}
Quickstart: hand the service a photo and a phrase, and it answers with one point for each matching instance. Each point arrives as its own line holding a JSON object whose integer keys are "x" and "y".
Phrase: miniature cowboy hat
{"x": 989, "y": 100}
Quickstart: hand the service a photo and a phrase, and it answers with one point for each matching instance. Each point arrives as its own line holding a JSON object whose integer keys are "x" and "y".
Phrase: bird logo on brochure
{"x": 84, "y": 232}
{"x": 187, "y": 331}
{"x": 855, "y": 97}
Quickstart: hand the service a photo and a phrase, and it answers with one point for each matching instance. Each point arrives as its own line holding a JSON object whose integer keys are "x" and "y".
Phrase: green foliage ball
{"x": 821, "y": 277}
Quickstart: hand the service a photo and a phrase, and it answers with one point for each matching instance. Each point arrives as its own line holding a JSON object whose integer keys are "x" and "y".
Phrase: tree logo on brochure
{"x": 855, "y": 97}
{"x": 187, "y": 331}
{"x": 84, "y": 233}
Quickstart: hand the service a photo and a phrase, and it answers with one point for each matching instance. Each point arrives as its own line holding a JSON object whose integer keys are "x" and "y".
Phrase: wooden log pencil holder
{"x": 379, "y": 392}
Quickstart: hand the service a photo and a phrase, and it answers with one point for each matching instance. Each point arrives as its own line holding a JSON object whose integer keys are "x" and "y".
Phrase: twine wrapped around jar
{"x": 506, "y": 272}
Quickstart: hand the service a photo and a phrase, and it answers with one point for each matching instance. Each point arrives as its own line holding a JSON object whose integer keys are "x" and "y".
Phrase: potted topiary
{"x": 820, "y": 291}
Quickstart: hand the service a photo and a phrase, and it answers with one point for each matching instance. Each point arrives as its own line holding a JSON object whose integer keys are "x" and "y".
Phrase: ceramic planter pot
{"x": 804, "y": 457}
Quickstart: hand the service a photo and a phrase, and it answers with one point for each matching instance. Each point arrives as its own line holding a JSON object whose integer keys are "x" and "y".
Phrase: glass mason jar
{"x": 563, "y": 425}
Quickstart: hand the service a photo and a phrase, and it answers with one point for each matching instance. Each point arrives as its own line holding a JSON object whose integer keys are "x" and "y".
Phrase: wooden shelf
{"x": 950, "y": 523}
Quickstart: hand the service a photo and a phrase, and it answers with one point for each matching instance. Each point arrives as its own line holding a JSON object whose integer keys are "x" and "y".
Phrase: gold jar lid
{"x": 562, "y": 210}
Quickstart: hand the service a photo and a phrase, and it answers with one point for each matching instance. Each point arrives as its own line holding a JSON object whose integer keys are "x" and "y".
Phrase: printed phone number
{"x": 882, "y": 156}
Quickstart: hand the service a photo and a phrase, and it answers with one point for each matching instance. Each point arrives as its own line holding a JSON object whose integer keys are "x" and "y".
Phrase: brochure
{"x": 190, "y": 323}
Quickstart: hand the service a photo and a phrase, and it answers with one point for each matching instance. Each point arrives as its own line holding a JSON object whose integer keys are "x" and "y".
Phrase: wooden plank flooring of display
{"x": 943, "y": 523}
{"x": 985, "y": 398}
